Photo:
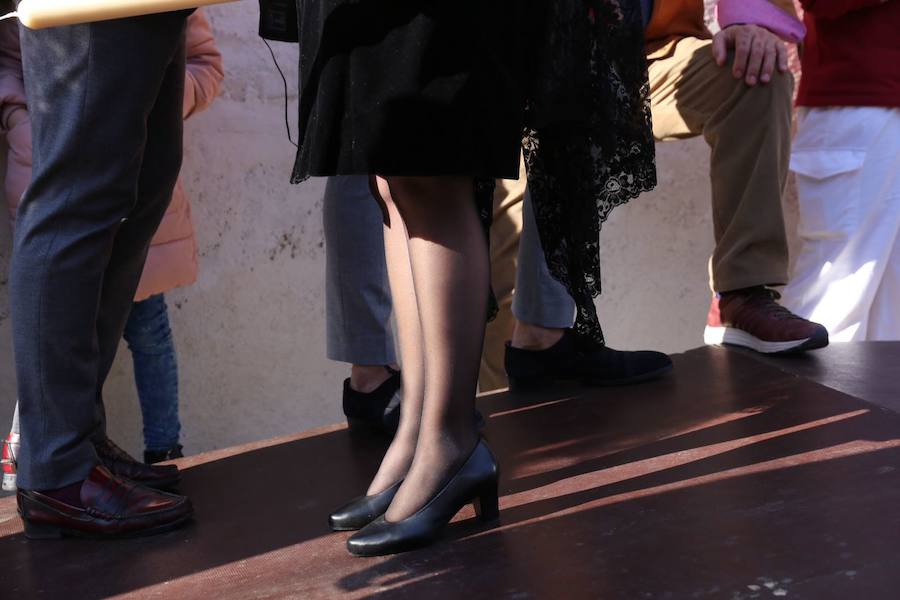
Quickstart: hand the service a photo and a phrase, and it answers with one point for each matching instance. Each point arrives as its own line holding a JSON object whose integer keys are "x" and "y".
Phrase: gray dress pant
{"x": 539, "y": 299}
{"x": 358, "y": 299}
{"x": 357, "y": 295}
{"x": 105, "y": 101}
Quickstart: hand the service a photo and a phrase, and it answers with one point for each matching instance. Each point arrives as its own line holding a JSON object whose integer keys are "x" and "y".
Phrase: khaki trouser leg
{"x": 748, "y": 130}
{"x": 505, "y": 233}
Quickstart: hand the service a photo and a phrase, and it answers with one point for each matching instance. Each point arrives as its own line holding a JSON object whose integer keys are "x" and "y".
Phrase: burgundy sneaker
{"x": 752, "y": 318}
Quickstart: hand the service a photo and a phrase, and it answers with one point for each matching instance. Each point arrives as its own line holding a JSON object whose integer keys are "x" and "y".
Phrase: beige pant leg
{"x": 748, "y": 130}
{"x": 505, "y": 233}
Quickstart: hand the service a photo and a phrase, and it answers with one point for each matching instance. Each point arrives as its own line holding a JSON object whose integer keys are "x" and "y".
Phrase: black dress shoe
{"x": 378, "y": 409}
{"x": 358, "y": 513}
{"x": 112, "y": 507}
{"x": 576, "y": 357}
{"x": 121, "y": 464}
{"x": 476, "y": 482}
{"x": 151, "y": 457}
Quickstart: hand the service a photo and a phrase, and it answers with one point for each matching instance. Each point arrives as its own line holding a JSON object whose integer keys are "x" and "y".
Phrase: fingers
{"x": 742, "y": 46}
{"x": 768, "y": 64}
{"x": 757, "y": 53}
{"x": 720, "y": 48}
{"x": 782, "y": 51}
{"x": 755, "y": 60}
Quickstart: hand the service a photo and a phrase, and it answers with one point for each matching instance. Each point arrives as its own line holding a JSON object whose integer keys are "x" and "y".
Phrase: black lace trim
{"x": 589, "y": 143}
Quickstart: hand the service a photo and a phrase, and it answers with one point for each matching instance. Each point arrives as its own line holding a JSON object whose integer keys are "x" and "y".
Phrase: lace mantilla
{"x": 589, "y": 142}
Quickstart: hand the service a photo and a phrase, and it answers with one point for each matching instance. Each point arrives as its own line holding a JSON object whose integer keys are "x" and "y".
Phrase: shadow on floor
{"x": 725, "y": 475}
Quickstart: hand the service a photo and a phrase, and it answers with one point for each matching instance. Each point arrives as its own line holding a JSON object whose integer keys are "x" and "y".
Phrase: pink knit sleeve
{"x": 762, "y": 13}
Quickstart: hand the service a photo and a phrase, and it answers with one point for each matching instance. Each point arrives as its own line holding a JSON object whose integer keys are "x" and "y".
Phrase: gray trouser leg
{"x": 105, "y": 102}
{"x": 539, "y": 299}
{"x": 357, "y": 295}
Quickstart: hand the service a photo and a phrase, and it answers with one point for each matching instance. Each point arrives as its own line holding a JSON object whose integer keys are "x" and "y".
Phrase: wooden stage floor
{"x": 735, "y": 477}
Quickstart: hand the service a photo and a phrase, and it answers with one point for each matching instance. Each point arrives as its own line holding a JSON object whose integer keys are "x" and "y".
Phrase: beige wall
{"x": 250, "y": 333}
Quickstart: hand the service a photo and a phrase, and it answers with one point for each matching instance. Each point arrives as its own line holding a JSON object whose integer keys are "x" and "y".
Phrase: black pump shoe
{"x": 379, "y": 409}
{"x": 476, "y": 482}
{"x": 358, "y": 513}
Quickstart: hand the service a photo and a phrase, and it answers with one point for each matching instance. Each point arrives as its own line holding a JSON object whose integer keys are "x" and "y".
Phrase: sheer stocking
{"x": 449, "y": 263}
{"x": 399, "y": 455}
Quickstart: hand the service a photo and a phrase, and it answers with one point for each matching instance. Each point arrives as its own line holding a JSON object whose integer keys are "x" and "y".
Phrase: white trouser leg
{"x": 847, "y": 162}
{"x": 884, "y": 316}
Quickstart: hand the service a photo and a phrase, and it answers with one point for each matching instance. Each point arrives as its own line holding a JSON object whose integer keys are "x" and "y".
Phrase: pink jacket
{"x": 172, "y": 261}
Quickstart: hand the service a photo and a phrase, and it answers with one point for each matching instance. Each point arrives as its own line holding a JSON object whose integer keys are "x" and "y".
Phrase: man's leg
{"x": 357, "y": 297}
{"x": 849, "y": 221}
{"x": 506, "y": 230}
{"x": 748, "y": 129}
{"x": 89, "y": 134}
{"x": 544, "y": 346}
{"x": 358, "y": 302}
{"x": 93, "y": 92}
{"x": 542, "y": 306}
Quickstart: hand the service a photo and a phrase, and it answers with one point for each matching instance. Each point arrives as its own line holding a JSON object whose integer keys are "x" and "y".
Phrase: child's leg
{"x": 149, "y": 338}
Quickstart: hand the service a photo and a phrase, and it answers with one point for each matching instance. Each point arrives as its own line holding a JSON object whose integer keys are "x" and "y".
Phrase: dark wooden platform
{"x": 736, "y": 477}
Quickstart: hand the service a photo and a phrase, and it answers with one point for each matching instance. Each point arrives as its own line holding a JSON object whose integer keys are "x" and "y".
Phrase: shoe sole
{"x": 40, "y": 531}
{"x": 731, "y": 336}
{"x": 527, "y": 384}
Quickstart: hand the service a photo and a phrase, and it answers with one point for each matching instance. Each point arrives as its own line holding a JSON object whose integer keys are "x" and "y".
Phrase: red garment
{"x": 852, "y": 53}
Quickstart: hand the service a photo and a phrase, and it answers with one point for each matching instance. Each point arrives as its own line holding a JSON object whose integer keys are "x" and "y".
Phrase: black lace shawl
{"x": 589, "y": 142}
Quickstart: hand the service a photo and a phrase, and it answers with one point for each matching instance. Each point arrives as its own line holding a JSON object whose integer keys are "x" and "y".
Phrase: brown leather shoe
{"x": 752, "y": 318}
{"x": 121, "y": 464}
{"x": 113, "y": 508}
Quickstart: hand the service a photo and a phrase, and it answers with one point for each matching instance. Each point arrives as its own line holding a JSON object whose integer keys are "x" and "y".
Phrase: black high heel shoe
{"x": 358, "y": 513}
{"x": 476, "y": 482}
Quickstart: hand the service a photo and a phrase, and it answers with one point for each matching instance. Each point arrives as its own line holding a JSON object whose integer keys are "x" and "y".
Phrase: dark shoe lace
{"x": 766, "y": 301}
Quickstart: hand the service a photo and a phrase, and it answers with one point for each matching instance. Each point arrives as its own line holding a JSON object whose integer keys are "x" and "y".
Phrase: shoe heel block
{"x": 487, "y": 504}
{"x": 487, "y": 493}
{"x": 41, "y": 531}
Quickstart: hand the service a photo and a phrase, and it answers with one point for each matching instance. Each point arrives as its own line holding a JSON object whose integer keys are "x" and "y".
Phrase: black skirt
{"x": 462, "y": 87}
{"x": 412, "y": 87}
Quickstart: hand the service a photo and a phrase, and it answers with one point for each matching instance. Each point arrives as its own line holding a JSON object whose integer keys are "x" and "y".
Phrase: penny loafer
{"x": 358, "y": 513}
{"x": 112, "y": 508}
{"x": 121, "y": 464}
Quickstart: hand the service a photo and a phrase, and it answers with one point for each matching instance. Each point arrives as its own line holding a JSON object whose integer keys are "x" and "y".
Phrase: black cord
{"x": 287, "y": 121}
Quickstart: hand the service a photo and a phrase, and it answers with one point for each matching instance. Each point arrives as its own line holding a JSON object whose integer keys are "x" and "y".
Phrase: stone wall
{"x": 250, "y": 333}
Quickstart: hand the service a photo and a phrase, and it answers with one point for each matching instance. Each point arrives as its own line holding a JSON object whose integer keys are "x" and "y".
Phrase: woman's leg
{"x": 149, "y": 338}
{"x": 449, "y": 260}
{"x": 399, "y": 456}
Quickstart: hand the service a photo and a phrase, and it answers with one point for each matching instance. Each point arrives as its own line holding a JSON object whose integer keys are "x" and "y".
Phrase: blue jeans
{"x": 149, "y": 338}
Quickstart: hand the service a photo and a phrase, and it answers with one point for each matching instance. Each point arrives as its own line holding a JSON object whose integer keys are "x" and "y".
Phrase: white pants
{"x": 847, "y": 276}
